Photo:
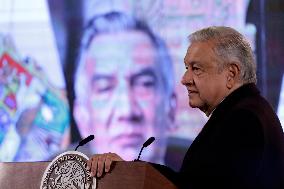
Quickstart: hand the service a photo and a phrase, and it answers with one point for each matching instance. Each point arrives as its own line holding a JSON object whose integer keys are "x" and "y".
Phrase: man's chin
{"x": 129, "y": 154}
{"x": 192, "y": 104}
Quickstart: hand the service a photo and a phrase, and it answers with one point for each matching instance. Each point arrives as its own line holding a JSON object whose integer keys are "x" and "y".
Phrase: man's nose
{"x": 187, "y": 78}
{"x": 128, "y": 107}
{"x": 183, "y": 79}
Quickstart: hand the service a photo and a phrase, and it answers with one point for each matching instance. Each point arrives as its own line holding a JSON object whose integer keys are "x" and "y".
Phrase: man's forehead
{"x": 114, "y": 66}
{"x": 129, "y": 50}
{"x": 198, "y": 50}
{"x": 122, "y": 37}
{"x": 124, "y": 65}
{"x": 131, "y": 42}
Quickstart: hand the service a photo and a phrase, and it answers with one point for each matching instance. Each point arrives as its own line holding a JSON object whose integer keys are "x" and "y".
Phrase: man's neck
{"x": 208, "y": 112}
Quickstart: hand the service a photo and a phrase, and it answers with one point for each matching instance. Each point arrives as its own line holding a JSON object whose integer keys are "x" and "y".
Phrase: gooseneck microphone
{"x": 85, "y": 141}
{"x": 147, "y": 143}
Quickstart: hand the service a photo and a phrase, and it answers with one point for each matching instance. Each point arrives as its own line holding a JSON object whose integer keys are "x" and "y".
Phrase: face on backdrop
{"x": 205, "y": 83}
{"x": 125, "y": 104}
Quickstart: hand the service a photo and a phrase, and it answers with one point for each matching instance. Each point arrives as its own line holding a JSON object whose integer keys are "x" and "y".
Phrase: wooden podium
{"x": 125, "y": 175}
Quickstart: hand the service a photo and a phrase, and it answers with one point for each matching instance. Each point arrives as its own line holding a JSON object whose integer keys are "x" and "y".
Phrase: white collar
{"x": 215, "y": 108}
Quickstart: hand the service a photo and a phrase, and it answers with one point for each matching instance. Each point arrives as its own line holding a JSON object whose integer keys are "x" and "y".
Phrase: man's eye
{"x": 102, "y": 85}
{"x": 143, "y": 83}
{"x": 148, "y": 83}
{"x": 186, "y": 67}
{"x": 196, "y": 70}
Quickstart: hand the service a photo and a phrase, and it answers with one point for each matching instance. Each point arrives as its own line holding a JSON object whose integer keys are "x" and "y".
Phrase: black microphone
{"x": 147, "y": 143}
{"x": 85, "y": 141}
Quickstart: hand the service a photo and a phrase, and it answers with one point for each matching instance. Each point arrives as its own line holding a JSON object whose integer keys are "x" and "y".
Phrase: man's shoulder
{"x": 246, "y": 98}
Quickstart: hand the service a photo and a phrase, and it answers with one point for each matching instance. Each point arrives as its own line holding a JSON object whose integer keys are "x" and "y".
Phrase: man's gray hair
{"x": 229, "y": 45}
{"x": 116, "y": 22}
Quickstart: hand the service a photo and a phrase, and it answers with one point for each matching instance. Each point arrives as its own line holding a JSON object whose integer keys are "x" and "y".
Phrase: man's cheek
{"x": 101, "y": 108}
{"x": 98, "y": 104}
{"x": 148, "y": 108}
{"x": 100, "y": 114}
{"x": 145, "y": 94}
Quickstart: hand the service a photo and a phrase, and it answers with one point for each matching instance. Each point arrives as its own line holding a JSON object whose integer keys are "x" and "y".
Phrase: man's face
{"x": 205, "y": 83}
{"x": 125, "y": 103}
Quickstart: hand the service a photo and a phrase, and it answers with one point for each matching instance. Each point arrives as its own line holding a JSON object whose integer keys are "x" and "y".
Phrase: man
{"x": 124, "y": 88}
{"x": 241, "y": 145}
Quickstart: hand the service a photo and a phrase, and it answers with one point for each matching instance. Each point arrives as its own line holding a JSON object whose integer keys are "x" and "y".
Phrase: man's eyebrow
{"x": 101, "y": 76}
{"x": 191, "y": 63}
{"x": 145, "y": 72}
{"x": 184, "y": 60}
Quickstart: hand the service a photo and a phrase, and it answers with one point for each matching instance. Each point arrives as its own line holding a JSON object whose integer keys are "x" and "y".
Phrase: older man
{"x": 242, "y": 144}
{"x": 124, "y": 87}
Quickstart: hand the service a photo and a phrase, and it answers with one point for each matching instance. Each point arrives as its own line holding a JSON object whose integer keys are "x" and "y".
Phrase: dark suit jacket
{"x": 241, "y": 146}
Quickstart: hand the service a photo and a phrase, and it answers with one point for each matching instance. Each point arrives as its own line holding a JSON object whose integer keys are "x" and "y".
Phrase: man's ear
{"x": 233, "y": 76}
{"x": 172, "y": 112}
{"x": 82, "y": 118}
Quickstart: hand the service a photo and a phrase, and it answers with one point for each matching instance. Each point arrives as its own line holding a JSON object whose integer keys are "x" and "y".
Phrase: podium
{"x": 124, "y": 175}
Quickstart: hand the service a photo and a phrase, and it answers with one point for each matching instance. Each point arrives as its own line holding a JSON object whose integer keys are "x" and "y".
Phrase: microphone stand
{"x": 77, "y": 147}
{"x": 138, "y": 159}
{"x": 147, "y": 143}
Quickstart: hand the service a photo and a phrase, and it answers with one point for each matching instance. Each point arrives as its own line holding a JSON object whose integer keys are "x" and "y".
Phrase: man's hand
{"x": 100, "y": 163}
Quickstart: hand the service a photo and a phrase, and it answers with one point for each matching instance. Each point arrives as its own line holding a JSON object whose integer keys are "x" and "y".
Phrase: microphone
{"x": 85, "y": 141}
{"x": 147, "y": 143}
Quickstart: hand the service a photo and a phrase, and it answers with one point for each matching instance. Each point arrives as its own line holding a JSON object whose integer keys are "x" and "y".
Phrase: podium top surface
{"x": 124, "y": 175}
